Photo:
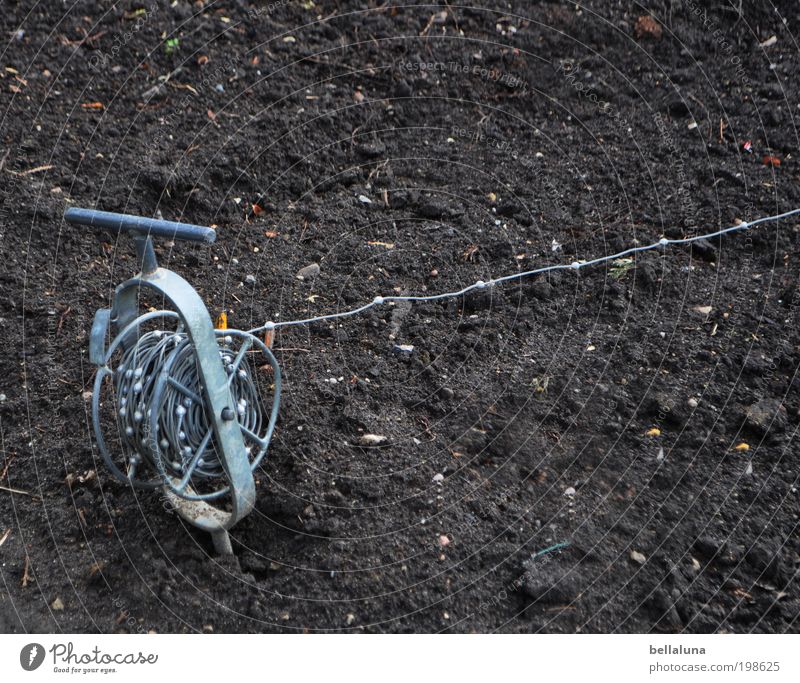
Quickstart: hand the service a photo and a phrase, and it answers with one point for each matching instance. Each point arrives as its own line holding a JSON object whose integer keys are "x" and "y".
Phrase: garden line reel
{"x": 188, "y": 401}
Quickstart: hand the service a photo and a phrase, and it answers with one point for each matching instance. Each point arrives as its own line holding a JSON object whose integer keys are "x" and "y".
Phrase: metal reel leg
{"x": 222, "y": 542}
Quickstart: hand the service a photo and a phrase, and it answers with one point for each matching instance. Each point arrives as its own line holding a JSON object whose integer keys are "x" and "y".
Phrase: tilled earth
{"x": 608, "y": 450}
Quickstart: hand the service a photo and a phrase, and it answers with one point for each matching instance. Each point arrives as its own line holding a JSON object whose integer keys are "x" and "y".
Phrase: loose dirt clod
{"x": 647, "y": 27}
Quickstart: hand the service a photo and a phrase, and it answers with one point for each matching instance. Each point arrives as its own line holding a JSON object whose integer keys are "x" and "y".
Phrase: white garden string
{"x": 480, "y": 284}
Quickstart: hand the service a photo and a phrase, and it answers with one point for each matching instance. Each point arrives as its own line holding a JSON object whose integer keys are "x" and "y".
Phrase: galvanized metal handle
{"x": 120, "y": 222}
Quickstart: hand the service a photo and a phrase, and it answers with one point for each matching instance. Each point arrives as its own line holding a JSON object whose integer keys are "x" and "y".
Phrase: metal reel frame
{"x": 124, "y": 320}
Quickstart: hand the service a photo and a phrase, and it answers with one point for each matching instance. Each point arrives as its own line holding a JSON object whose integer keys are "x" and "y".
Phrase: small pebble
{"x": 404, "y": 348}
{"x": 692, "y": 403}
{"x": 438, "y": 478}
{"x": 250, "y": 279}
{"x": 364, "y": 199}
{"x": 372, "y": 439}
{"x": 570, "y": 492}
{"x": 350, "y": 619}
{"x": 310, "y": 271}
{"x": 444, "y": 541}
{"x": 57, "y": 604}
{"x": 637, "y": 557}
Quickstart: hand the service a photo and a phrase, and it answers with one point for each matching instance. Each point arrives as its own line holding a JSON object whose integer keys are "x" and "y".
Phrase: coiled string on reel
{"x": 162, "y": 418}
{"x": 182, "y": 428}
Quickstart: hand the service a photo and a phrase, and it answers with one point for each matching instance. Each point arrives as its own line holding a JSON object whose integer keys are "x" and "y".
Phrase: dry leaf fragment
{"x": 469, "y": 252}
{"x": 647, "y": 26}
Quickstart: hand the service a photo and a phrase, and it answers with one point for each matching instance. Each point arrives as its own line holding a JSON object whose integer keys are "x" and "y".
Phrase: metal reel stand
{"x": 188, "y": 407}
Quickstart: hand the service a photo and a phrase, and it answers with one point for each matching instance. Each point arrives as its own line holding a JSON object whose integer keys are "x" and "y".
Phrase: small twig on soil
{"x": 289, "y": 349}
{"x": 26, "y": 577}
{"x": 183, "y": 86}
{"x": 429, "y": 24}
{"x": 427, "y": 427}
{"x": 23, "y": 493}
{"x": 61, "y": 320}
{"x": 453, "y": 14}
{"x": 30, "y": 171}
{"x": 86, "y": 38}
{"x": 708, "y": 116}
{"x": 5, "y": 536}
{"x": 3, "y": 160}
{"x": 4, "y": 473}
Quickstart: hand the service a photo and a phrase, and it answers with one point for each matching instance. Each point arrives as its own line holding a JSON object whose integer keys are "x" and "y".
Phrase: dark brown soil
{"x": 530, "y": 123}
